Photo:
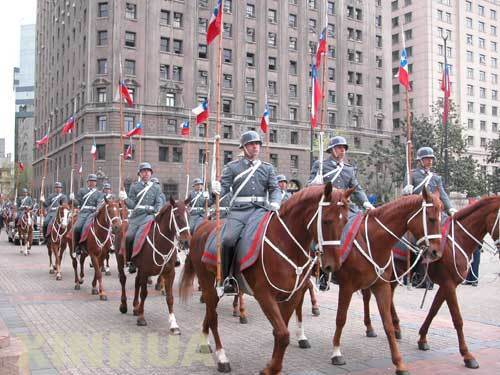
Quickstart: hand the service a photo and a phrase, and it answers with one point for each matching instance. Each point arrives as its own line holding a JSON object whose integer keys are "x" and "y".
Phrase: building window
{"x": 128, "y": 123}
{"x": 177, "y": 46}
{"x": 273, "y": 136}
{"x": 102, "y": 66}
{"x": 332, "y": 118}
{"x": 177, "y": 154}
{"x": 292, "y": 113}
{"x": 226, "y": 105}
{"x": 130, "y": 39}
{"x": 228, "y": 55}
{"x": 273, "y": 158}
{"x": 177, "y": 20}
{"x": 162, "y": 153}
{"x": 228, "y": 6}
{"x": 227, "y": 81}
{"x": 250, "y": 60}
{"x": 332, "y": 96}
{"x": 101, "y": 123}
{"x": 470, "y": 124}
{"x": 165, "y": 17}
{"x": 101, "y": 152}
{"x": 228, "y": 157}
{"x": 482, "y": 125}
{"x": 294, "y": 161}
{"x": 228, "y": 30}
{"x": 292, "y": 20}
{"x": 171, "y": 190}
{"x": 271, "y": 39}
{"x": 102, "y": 10}
{"x": 294, "y": 138}
{"x": 101, "y": 95}
{"x": 470, "y": 107}
{"x": 250, "y": 35}
{"x": 203, "y": 77}
{"x": 272, "y": 63}
{"x": 164, "y": 44}
{"x": 292, "y": 90}
{"x": 164, "y": 72}
{"x": 130, "y": 11}
{"x": 272, "y": 15}
{"x": 227, "y": 132}
{"x": 470, "y": 140}
{"x": 292, "y": 44}
{"x": 177, "y": 73}
{"x": 202, "y": 25}
{"x": 293, "y": 67}
{"x": 250, "y": 108}
{"x": 202, "y": 130}
{"x": 482, "y": 109}
{"x": 170, "y": 100}
{"x": 250, "y": 11}
{"x": 250, "y": 84}
{"x": 102, "y": 37}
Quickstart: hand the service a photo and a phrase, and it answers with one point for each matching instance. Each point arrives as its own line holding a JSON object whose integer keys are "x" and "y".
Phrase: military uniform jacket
{"x": 197, "y": 203}
{"x": 52, "y": 202}
{"x": 145, "y": 200}
{"x": 88, "y": 200}
{"x": 341, "y": 175}
{"x": 238, "y": 179}
{"x": 285, "y": 195}
{"x": 24, "y": 202}
{"x": 420, "y": 178}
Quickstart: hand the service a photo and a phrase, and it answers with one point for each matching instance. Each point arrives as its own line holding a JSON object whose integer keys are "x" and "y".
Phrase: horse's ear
{"x": 348, "y": 192}
{"x": 187, "y": 201}
{"x": 425, "y": 194}
{"x": 328, "y": 191}
{"x": 172, "y": 201}
{"x": 106, "y": 199}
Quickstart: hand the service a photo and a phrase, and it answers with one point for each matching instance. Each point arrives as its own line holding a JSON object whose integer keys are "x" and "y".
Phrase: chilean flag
{"x": 321, "y": 50}
{"x": 214, "y": 26}
{"x": 128, "y": 153}
{"x": 21, "y": 166}
{"x": 135, "y": 131}
{"x": 446, "y": 88}
{"x": 404, "y": 77}
{"x": 264, "y": 122}
{"x": 125, "y": 94}
{"x": 201, "y": 112}
{"x": 69, "y": 125}
{"x": 43, "y": 141}
{"x": 315, "y": 97}
{"x": 185, "y": 128}
{"x": 93, "y": 151}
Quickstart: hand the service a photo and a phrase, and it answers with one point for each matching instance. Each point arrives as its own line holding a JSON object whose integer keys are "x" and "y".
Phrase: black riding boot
{"x": 230, "y": 286}
{"x": 129, "y": 245}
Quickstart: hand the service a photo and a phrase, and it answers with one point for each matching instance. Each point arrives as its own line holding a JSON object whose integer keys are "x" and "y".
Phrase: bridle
{"x": 59, "y": 234}
{"x": 108, "y": 228}
{"x": 426, "y": 237}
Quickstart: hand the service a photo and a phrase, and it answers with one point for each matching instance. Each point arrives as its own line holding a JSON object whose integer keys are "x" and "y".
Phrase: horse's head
{"x": 331, "y": 217}
{"x": 63, "y": 212}
{"x": 492, "y": 222}
{"x": 112, "y": 212}
{"x": 178, "y": 221}
{"x": 425, "y": 225}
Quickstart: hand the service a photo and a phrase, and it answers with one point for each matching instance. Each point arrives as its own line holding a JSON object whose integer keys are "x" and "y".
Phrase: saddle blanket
{"x": 248, "y": 246}
{"x": 444, "y": 233}
{"x": 86, "y": 228}
{"x": 349, "y": 233}
{"x": 140, "y": 238}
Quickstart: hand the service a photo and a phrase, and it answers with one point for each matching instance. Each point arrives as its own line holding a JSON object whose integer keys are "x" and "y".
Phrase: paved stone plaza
{"x": 72, "y": 332}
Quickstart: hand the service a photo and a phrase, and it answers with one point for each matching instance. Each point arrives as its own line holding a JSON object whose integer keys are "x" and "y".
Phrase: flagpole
{"x": 140, "y": 135}
{"x": 445, "y": 123}
{"x": 188, "y": 153}
{"x": 45, "y": 162}
{"x": 94, "y": 157}
{"x": 72, "y": 173}
{"x": 120, "y": 167}
{"x": 324, "y": 97}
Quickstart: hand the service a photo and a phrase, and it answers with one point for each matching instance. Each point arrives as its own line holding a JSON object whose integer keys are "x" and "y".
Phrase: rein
{"x": 107, "y": 228}
{"x": 59, "y": 235}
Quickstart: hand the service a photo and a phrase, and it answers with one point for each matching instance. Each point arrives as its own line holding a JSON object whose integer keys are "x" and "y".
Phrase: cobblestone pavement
{"x": 72, "y": 332}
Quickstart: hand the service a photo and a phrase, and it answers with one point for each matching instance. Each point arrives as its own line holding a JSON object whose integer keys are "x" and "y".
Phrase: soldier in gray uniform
{"x": 106, "y": 189}
{"x": 197, "y": 198}
{"x": 155, "y": 181}
{"x": 144, "y": 198}
{"x": 342, "y": 175}
{"x": 87, "y": 199}
{"x": 250, "y": 180}
{"x": 423, "y": 176}
{"x": 53, "y": 201}
{"x": 23, "y": 203}
{"x": 283, "y": 185}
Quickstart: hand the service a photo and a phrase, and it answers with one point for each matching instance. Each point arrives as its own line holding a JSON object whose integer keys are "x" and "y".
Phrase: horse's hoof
{"x": 304, "y": 344}
{"x": 175, "y": 331}
{"x": 58, "y": 277}
{"x": 402, "y": 372}
{"x": 423, "y": 346}
{"x": 136, "y": 313}
{"x": 338, "y": 360}
{"x": 141, "y": 322}
{"x": 107, "y": 273}
{"x": 315, "y": 311}
{"x": 205, "y": 349}
{"x": 150, "y": 281}
{"x": 243, "y": 320}
{"x": 51, "y": 271}
{"x": 163, "y": 292}
{"x": 371, "y": 333}
{"x": 471, "y": 363}
{"x": 202, "y": 300}
{"x": 81, "y": 281}
{"x": 95, "y": 292}
{"x": 235, "y": 313}
{"x": 77, "y": 286}
{"x": 157, "y": 287}
{"x": 123, "y": 309}
{"x": 103, "y": 297}
{"x": 224, "y": 367}
{"x": 398, "y": 335}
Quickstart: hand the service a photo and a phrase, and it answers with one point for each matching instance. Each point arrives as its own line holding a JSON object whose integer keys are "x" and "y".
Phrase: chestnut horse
{"x": 25, "y": 231}
{"x": 106, "y": 222}
{"x": 369, "y": 263}
{"x": 157, "y": 257}
{"x": 470, "y": 225}
{"x": 280, "y": 275}
{"x": 57, "y": 241}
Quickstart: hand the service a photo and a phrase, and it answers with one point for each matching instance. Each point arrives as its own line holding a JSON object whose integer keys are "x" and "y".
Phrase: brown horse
{"x": 368, "y": 264}
{"x": 280, "y": 275}
{"x": 57, "y": 241}
{"x": 470, "y": 225}
{"x": 157, "y": 257}
{"x": 106, "y": 222}
{"x": 25, "y": 226}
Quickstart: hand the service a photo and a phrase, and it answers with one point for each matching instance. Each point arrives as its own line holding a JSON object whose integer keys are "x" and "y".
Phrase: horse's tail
{"x": 186, "y": 286}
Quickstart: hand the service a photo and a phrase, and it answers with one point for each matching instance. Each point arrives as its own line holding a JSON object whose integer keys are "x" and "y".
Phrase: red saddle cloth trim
{"x": 349, "y": 238}
{"x": 399, "y": 252}
{"x": 257, "y": 240}
{"x": 86, "y": 231}
{"x": 139, "y": 242}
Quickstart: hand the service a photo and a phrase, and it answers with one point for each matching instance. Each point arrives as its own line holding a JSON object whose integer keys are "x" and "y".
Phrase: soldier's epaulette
{"x": 266, "y": 163}
{"x": 233, "y": 162}
{"x": 348, "y": 165}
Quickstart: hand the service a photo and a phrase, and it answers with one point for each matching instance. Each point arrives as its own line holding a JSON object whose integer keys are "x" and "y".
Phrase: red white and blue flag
{"x": 321, "y": 49}
{"x": 404, "y": 76}
{"x": 264, "y": 122}
{"x": 135, "y": 131}
{"x": 21, "y": 166}
{"x": 185, "y": 128}
{"x": 201, "y": 112}
{"x": 128, "y": 152}
{"x": 315, "y": 96}
{"x": 446, "y": 88}
{"x": 93, "y": 151}
{"x": 125, "y": 93}
{"x": 43, "y": 141}
{"x": 69, "y": 125}
{"x": 214, "y": 26}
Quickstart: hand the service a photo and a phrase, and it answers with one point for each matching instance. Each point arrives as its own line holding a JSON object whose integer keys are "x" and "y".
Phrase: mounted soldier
{"x": 155, "y": 181}
{"x": 145, "y": 200}
{"x": 341, "y": 174}
{"x": 283, "y": 185}
{"x": 197, "y": 198}
{"x": 23, "y": 203}
{"x": 87, "y": 199}
{"x": 53, "y": 201}
{"x": 250, "y": 180}
{"x": 106, "y": 188}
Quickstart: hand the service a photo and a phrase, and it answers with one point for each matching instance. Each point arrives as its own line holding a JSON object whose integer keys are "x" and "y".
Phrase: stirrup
{"x": 230, "y": 286}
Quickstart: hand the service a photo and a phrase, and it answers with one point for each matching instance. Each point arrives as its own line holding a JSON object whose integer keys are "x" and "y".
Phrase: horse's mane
{"x": 466, "y": 211}
{"x": 403, "y": 202}
{"x": 309, "y": 193}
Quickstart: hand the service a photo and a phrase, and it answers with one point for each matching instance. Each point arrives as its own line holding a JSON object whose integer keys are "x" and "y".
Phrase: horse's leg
{"x": 382, "y": 293}
{"x": 395, "y": 317}
{"x": 314, "y": 300}
{"x": 169, "y": 276}
{"x": 135, "y": 303}
{"x": 95, "y": 263}
{"x": 98, "y": 272}
{"x": 82, "y": 267}
{"x": 49, "y": 252}
{"x": 235, "y": 305}
{"x": 120, "y": 261}
{"x": 159, "y": 283}
{"x": 300, "y": 334}
{"x": 345, "y": 295}
{"x": 243, "y": 312}
{"x": 144, "y": 294}
{"x": 436, "y": 305}
{"x": 58, "y": 259}
{"x": 74, "y": 261}
{"x": 367, "y": 294}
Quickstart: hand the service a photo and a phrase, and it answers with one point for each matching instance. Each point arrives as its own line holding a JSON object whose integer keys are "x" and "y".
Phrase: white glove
{"x": 452, "y": 211}
{"x": 122, "y": 195}
{"x": 274, "y": 206}
{"x": 71, "y": 196}
{"x": 205, "y": 194}
{"x": 368, "y": 206}
{"x": 216, "y": 187}
{"x": 408, "y": 190}
{"x": 318, "y": 180}
{"x": 42, "y": 199}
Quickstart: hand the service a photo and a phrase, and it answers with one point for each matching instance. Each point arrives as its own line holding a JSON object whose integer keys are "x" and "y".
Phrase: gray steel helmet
{"x": 92, "y": 177}
{"x": 249, "y": 136}
{"x": 337, "y": 141}
{"x": 155, "y": 180}
{"x": 197, "y": 181}
{"x": 106, "y": 185}
{"x": 425, "y": 152}
{"x": 145, "y": 165}
{"x": 24, "y": 190}
{"x": 281, "y": 177}
{"x": 58, "y": 185}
